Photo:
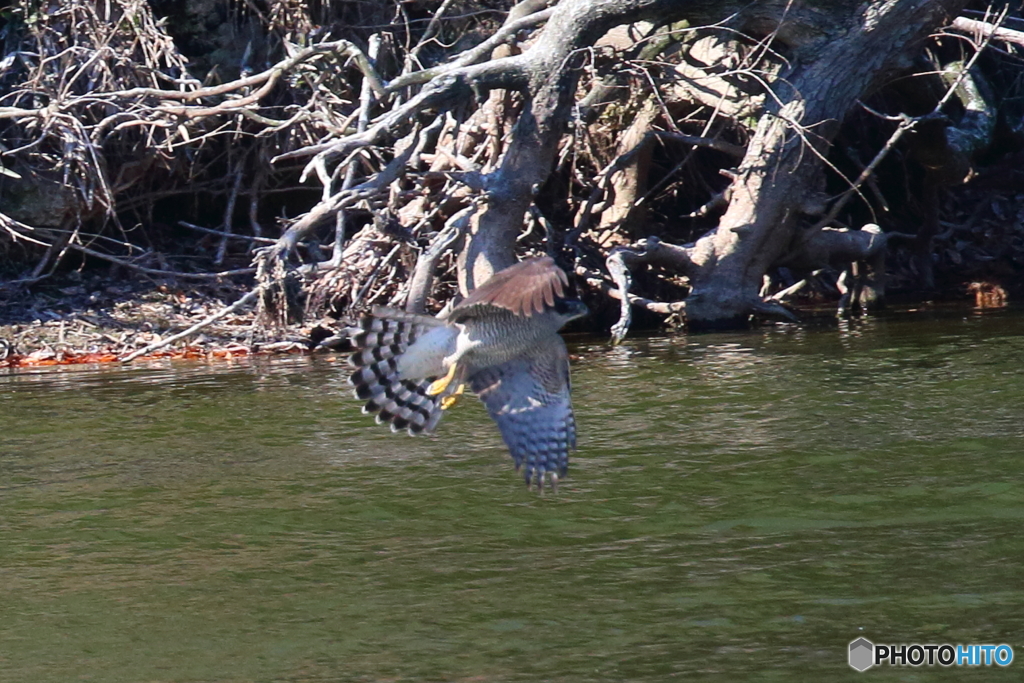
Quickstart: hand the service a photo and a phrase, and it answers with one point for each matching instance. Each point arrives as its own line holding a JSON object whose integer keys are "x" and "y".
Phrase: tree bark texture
{"x": 551, "y": 74}
{"x": 834, "y": 51}
{"x": 828, "y": 76}
{"x": 838, "y": 50}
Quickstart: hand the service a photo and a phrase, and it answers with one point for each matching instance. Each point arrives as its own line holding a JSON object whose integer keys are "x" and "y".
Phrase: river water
{"x": 741, "y": 508}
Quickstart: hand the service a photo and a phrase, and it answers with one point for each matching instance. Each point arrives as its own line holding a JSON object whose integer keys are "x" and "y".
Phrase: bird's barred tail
{"x": 380, "y": 339}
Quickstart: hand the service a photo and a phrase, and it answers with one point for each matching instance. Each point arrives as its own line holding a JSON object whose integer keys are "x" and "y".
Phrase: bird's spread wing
{"x": 381, "y": 339}
{"x": 525, "y": 288}
{"x": 529, "y": 399}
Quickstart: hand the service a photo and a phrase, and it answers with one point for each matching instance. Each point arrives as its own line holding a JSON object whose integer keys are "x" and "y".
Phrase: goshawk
{"x": 502, "y": 342}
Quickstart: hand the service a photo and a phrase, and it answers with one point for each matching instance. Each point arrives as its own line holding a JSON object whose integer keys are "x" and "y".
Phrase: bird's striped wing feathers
{"x": 525, "y": 288}
{"x": 380, "y": 338}
{"x": 528, "y": 397}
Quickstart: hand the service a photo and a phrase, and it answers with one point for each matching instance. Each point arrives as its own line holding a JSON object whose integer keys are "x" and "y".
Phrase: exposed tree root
{"x": 402, "y": 166}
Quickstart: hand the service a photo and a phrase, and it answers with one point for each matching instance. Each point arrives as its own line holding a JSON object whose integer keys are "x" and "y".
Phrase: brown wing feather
{"x": 523, "y": 288}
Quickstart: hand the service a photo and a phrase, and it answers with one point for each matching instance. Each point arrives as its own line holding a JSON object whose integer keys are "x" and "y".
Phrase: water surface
{"x": 741, "y": 507}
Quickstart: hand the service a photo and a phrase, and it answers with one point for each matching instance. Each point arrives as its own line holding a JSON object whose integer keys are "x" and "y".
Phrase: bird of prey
{"x": 502, "y": 342}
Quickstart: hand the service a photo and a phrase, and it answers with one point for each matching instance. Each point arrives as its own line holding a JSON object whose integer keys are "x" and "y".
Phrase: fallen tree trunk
{"x": 545, "y": 75}
{"x": 836, "y": 51}
{"x": 828, "y": 75}
{"x": 455, "y": 161}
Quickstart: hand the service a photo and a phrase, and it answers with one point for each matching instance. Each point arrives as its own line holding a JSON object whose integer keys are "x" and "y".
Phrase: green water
{"x": 741, "y": 508}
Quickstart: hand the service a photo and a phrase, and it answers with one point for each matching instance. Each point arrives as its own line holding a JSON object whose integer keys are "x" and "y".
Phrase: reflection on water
{"x": 741, "y": 507}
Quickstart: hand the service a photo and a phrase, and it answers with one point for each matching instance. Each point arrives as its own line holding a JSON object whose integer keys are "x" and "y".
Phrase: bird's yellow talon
{"x": 439, "y": 385}
{"x": 448, "y": 401}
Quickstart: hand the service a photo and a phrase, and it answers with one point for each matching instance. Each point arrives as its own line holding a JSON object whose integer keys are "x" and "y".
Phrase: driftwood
{"x": 774, "y": 182}
{"x": 194, "y": 329}
{"x": 433, "y": 166}
{"x": 100, "y": 106}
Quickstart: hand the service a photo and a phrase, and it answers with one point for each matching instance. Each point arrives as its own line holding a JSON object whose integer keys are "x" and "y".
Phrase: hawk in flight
{"x": 502, "y": 343}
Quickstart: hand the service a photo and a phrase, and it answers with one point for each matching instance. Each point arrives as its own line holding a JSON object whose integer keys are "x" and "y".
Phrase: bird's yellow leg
{"x": 448, "y": 401}
{"x": 439, "y": 385}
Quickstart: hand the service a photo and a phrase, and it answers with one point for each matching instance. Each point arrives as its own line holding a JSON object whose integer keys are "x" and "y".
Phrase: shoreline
{"x": 100, "y": 322}
{"x": 83, "y": 319}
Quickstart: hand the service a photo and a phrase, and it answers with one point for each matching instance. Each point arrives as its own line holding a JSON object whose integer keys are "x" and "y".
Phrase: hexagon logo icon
{"x": 862, "y": 654}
